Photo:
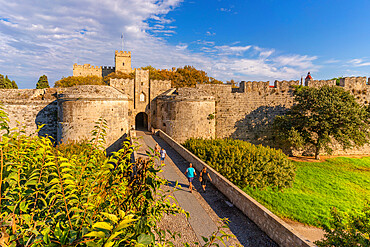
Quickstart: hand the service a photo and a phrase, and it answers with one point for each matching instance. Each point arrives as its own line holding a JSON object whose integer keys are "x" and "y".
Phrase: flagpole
{"x": 122, "y": 40}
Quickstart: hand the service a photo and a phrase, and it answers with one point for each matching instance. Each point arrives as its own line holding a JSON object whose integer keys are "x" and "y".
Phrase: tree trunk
{"x": 317, "y": 152}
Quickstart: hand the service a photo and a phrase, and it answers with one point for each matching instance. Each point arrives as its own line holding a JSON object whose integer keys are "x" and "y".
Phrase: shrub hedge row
{"x": 243, "y": 163}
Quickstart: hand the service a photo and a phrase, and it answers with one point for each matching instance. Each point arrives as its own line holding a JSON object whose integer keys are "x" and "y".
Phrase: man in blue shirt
{"x": 190, "y": 174}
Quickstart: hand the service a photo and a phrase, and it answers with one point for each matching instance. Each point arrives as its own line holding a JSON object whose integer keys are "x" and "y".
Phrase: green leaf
{"x": 111, "y": 217}
{"x": 145, "y": 239}
{"x": 103, "y": 225}
{"x": 98, "y": 234}
{"x": 23, "y": 206}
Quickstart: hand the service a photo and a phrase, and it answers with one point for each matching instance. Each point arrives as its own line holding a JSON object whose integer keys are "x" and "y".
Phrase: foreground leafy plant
{"x": 73, "y": 196}
{"x": 349, "y": 230}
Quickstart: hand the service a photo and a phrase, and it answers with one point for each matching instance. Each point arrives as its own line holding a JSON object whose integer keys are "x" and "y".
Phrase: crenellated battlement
{"x": 85, "y": 66}
{"x": 284, "y": 85}
{"x": 253, "y": 86}
{"x": 354, "y": 83}
{"x": 108, "y": 67}
{"x": 87, "y": 70}
{"x": 123, "y": 53}
{"x": 320, "y": 83}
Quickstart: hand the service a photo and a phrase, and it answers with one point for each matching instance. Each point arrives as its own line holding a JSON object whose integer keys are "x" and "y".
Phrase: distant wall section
{"x": 29, "y": 109}
{"x": 246, "y": 113}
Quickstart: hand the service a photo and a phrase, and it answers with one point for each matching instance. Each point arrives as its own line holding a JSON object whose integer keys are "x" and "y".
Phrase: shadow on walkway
{"x": 245, "y": 230}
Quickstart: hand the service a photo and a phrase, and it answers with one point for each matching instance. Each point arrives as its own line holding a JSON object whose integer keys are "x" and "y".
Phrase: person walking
{"x": 203, "y": 178}
{"x": 156, "y": 150}
{"x": 163, "y": 155}
{"x": 190, "y": 174}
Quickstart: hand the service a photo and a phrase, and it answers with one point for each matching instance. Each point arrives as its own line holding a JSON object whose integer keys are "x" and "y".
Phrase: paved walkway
{"x": 206, "y": 208}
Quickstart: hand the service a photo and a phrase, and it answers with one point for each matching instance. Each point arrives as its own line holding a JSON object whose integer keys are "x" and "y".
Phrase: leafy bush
{"x": 349, "y": 230}
{"x": 71, "y": 81}
{"x": 73, "y": 195}
{"x": 243, "y": 163}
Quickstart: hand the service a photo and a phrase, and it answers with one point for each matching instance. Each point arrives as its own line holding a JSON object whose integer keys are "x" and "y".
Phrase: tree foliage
{"x": 6, "y": 83}
{"x": 43, "y": 82}
{"x": 188, "y": 76}
{"x": 118, "y": 75}
{"x": 349, "y": 230}
{"x": 74, "y": 195}
{"x": 243, "y": 163}
{"x": 320, "y": 116}
{"x": 79, "y": 80}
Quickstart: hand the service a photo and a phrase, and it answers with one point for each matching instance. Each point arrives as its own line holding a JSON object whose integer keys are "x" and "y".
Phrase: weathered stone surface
{"x": 81, "y": 106}
{"x": 187, "y": 112}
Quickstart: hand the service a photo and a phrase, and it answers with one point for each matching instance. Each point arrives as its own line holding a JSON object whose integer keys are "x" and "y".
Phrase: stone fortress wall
{"x": 68, "y": 113}
{"x": 184, "y": 113}
{"x": 28, "y": 109}
{"x": 247, "y": 112}
{"x": 207, "y": 111}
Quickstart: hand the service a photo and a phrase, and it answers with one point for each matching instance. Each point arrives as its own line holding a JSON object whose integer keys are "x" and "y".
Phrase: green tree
{"x": 349, "y": 230}
{"x": 6, "y": 83}
{"x": 43, "y": 82}
{"x": 79, "y": 80}
{"x": 320, "y": 116}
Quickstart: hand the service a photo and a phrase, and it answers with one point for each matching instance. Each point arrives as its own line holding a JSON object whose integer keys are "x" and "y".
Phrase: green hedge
{"x": 243, "y": 163}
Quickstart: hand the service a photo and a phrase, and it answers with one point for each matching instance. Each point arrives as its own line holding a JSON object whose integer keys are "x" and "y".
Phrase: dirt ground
{"x": 322, "y": 158}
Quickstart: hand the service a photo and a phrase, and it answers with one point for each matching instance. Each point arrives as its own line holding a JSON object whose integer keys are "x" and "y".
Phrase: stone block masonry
{"x": 68, "y": 113}
{"x": 247, "y": 112}
{"x": 29, "y": 109}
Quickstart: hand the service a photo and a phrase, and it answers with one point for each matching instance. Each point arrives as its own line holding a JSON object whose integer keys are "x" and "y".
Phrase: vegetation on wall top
{"x": 43, "y": 82}
{"x": 79, "y": 80}
{"x": 6, "y": 83}
{"x": 188, "y": 76}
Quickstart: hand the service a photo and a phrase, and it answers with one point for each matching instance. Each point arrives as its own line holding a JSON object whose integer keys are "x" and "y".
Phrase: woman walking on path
{"x": 156, "y": 150}
{"x": 203, "y": 178}
{"x": 190, "y": 174}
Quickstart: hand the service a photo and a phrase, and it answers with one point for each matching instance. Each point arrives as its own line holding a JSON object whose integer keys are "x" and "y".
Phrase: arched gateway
{"x": 141, "y": 121}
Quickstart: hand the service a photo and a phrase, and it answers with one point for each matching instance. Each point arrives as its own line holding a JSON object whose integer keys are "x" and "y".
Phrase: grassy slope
{"x": 343, "y": 183}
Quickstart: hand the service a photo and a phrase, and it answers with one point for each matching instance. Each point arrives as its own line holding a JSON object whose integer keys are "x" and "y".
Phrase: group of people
{"x": 190, "y": 171}
{"x": 161, "y": 152}
{"x": 203, "y": 176}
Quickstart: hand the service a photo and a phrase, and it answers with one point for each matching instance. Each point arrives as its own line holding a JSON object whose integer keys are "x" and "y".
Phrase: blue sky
{"x": 240, "y": 39}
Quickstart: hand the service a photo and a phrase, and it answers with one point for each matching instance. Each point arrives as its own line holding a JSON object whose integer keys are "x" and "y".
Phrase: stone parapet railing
{"x": 273, "y": 226}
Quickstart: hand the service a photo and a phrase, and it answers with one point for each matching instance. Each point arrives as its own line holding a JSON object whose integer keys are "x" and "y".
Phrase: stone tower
{"x": 123, "y": 61}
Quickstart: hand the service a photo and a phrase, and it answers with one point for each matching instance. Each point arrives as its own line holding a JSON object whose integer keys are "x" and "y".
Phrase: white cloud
{"x": 303, "y": 62}
{"x": 181, "y": 46}
{"x": 227, "y": 50}
{"x": 358, "y": 62}
{"x": 209, "y": 33}
{"x": 48, "y": 37}
{"x": 331, "y": 61}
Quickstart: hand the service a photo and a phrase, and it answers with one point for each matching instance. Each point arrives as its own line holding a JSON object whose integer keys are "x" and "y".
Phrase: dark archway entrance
{"x": 141, "y": 121}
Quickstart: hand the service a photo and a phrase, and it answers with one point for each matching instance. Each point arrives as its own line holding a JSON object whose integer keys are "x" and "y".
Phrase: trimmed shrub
{"x": 245, "y": 164}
